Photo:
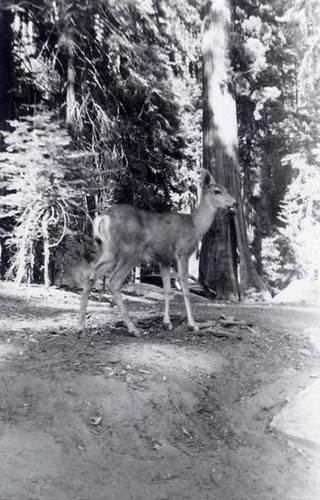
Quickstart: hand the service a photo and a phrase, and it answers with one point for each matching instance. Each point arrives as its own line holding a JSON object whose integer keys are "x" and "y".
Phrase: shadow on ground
{"x": 173, "y": 415}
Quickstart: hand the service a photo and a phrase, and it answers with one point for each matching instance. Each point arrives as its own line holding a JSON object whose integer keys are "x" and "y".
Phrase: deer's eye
{"x": 217, "y": 191}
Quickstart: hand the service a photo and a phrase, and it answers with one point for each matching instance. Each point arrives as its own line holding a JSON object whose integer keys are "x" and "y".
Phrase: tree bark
{"x": 225, "y": 260}
{"x": 6, "y": 66}
{"x": 46, "y": 250}
{"x": 22, "y": 254}
{"x": 68, "y": 50}
{"x": 71, "y": 79}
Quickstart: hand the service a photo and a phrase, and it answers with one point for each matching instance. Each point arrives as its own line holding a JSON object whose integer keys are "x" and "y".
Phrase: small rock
{"x": 96, "y": 420}
{"x": 300, "y": 420}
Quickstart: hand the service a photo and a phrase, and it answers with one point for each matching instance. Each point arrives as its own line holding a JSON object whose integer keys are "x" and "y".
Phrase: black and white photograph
{"x": 159, "y": 250}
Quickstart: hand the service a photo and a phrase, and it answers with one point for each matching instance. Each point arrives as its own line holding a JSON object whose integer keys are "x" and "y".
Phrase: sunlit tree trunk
{"x": 23, "y": 258}
{"x": 225, "y": 260}
{"x": 71, "y": 79}
{"x": 46, "y": 250}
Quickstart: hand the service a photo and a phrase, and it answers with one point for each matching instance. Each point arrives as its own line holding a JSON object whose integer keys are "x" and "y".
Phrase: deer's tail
{"x": 101, "y": 228}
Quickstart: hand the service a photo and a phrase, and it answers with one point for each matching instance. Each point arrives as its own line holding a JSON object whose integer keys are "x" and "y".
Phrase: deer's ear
{"x": 207, "y": 179}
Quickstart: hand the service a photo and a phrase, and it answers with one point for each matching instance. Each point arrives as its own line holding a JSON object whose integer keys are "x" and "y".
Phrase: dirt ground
{"x": 171, "y": 416}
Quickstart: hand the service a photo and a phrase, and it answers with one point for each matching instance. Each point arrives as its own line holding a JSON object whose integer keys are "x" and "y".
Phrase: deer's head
{"x": 218, "y": 195}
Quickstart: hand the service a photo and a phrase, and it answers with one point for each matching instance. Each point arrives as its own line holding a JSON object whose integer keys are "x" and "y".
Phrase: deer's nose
{"x": 233, "y": 207}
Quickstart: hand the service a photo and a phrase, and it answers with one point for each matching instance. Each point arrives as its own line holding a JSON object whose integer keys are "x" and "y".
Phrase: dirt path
{"x": 171, "y": 416}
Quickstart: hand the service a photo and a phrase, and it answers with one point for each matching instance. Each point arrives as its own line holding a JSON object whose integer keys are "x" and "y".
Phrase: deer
{"x": 127, "y": 236}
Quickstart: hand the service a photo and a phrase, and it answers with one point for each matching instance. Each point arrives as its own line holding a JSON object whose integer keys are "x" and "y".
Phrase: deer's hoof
{"x": 134, "y": 332}
{"x": 167, "y": 325}
{"x": 193, "y": 327}
{"x": 81, "y": 332}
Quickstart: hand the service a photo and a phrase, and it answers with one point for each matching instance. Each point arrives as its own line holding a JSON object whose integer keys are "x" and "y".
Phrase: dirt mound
{"x": 173, "y": 415}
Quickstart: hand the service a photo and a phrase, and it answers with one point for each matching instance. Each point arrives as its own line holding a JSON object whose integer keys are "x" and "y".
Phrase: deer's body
{"x": 132, "y": 231}
{"x": 127, "y": 236}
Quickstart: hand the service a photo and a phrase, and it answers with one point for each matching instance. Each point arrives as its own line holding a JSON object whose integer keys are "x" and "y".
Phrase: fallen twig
{"x": 227, "y": 322}
{"x": 225, "y": 334}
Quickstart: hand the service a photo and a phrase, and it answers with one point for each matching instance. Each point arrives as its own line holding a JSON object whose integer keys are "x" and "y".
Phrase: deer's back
{"x": 146, "y": 236}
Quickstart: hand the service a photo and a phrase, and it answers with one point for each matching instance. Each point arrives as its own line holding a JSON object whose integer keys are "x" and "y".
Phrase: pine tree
{"x": 36, "y": 192}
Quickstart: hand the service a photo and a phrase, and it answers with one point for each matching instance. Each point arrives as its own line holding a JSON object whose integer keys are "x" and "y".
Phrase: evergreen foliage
{"x": 37, "y": 194}
{"x": 121, "y": 77}
{"x": 125, "y": 79}
{"x": 274, "y": 54}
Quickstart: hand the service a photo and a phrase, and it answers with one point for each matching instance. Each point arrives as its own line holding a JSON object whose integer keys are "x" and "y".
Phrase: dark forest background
{"x": 104, "y": 102}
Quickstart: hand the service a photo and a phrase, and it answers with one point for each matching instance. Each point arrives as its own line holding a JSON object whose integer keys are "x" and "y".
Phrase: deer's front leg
{"x": 165, "y": 273}
{"x": 96, "y": 269}
{"x": 183, "y": 275}
{"x": 84, "y": 303}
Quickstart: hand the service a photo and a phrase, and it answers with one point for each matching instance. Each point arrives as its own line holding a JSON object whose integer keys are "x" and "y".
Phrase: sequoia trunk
{"x": 225, "y": 260}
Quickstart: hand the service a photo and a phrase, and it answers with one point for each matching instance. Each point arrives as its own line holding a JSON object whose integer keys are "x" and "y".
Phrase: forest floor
{"x": 169, "y": 416}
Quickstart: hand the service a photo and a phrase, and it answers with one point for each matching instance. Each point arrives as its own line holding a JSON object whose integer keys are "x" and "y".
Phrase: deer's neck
{"x": 203, "y": 217}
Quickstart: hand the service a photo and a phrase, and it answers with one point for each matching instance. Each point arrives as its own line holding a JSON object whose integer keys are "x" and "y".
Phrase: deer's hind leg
{"x": 116, "y": 271}
{"x": 165, "y": 273}
{"x": 115, "y": 282}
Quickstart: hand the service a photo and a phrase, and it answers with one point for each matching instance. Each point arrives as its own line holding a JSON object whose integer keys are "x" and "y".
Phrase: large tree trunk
{"x": 6, "y": 113}
{"x": 6, "y": 66}
{"x": 68, "y": 50}
{"x": 225, "y": 260}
